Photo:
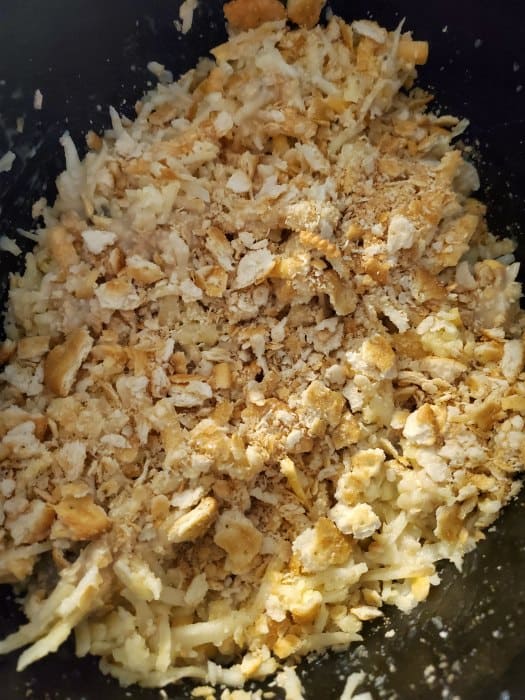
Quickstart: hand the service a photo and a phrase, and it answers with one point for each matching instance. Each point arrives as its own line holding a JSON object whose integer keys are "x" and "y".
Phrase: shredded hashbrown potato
{"x": 263, "y": 369}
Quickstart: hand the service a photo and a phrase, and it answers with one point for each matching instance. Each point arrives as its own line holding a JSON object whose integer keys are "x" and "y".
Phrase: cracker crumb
{"x": 305, "y": 13}
{"x": 38, "y": 100}
{"x": 186, "y": 11}
{"x": 249, "y": 14}
{"x": 6, "y": 161}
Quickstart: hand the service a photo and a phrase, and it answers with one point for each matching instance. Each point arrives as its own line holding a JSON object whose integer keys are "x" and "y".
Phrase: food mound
{"x": 263, "y": 367}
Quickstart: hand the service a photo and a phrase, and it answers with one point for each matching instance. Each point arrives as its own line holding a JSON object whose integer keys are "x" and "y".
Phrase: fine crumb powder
{"x": 264, "y": 367}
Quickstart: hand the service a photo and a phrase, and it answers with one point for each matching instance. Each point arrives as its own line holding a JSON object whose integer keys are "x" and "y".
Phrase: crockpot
{"x": 467, "y": 640}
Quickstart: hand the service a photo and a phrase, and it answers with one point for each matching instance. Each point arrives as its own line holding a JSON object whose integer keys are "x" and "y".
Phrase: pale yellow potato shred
{"x": 264, "y": 367}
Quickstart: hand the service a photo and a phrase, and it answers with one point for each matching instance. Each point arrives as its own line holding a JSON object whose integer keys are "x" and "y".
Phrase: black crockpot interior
{"x": 86, "y": 54}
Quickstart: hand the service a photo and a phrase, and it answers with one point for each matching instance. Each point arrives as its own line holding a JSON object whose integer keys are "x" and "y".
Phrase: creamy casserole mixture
{"x": 264, "y": 367}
